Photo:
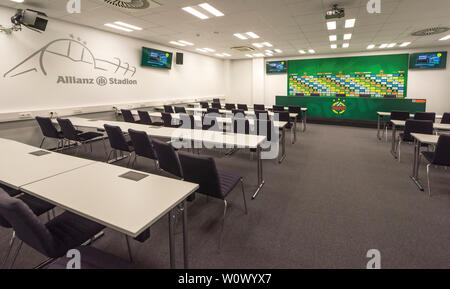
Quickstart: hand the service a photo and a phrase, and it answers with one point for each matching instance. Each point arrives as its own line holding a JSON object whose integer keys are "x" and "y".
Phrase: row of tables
{"x": 95, "y": 190}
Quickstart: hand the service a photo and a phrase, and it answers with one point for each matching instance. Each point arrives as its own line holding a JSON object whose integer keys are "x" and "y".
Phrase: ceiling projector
{"x": 335, "y": 12}
{"x": 31, "y": 19}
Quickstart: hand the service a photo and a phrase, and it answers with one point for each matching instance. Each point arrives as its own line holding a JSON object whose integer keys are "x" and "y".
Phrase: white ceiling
{"x": 289, "y": 25}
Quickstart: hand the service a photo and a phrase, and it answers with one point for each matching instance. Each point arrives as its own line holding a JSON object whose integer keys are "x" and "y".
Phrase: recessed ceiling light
{"x": 177, "y": 43}
{"x": 248, "y": 55}
{"x": 258, "y": 55}
{"x": 350, "y": 23}
{"x": 269, "y": 54}
{"x": 312, "y": 51}
{"x": 371, "y": 46}
{"x": 211, "y": 9}
{"x": 226, "y": 54}
{"x": 347, "y": 36}
{"x": 331, "y": 25}
{"x": 391, "y": 45}
{"x": 202, "y": 50}
{"x": 333, "y": 37}
{"x": 258, "y": 45}
{"x": 240, "y": 36}
{"x": 127, "y": 25}
{"x": 267, "y": 44}
{"x": 186, "y": 43}
{"x": 278, "y": 50}
{"x": 252, "y": 35}
{"x": 209, "y": 49}
{"x": 302, "y": 51}
{"x": 384, "y": 45}
{"x": 404, "y": 44}
{"x": 445, "y": 38}
{"x": 220, "y": 55}
{"x": 345, "y": 45}
{"x": 195, "y": 12}
{"x": 17, "y": 1}
{"x": 118, "y": 27}
{"x": 333, "y": 46}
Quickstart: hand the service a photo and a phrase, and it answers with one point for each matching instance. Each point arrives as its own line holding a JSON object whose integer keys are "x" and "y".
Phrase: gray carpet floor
{"x": 338, "y": 194}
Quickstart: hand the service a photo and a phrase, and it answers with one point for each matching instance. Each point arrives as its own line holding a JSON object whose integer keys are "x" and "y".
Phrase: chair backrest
{"x": 425, "y": 116}
{"x": 212, "y": 110}
{"x": 238, "y": 111}
{"x": 127, "y": 115}
{"x": 295, "y": 109}
{"x": 241, "y": 124}
{"x": 442, "y": 151}
{"x": 259, "y": 107}
{"x": 418, "y": 126}
{"x": 144, "y": 117}
{"x": 26, "y": 225}
{"x": 142, "y": 144}
{"x": 341, "y": 95}
{"x": 168, "y": 109}
{"x": 446, "y": 118}
{"x": 391, "y": 96}
{"x": 230, "y": 106}
{"x": 201, "y": 170}
{"x": 262, "y": 114}
{"x": 242, "y": 106}
{"x": 116, "y": 138}
{"x": 68, "y": 130}
{"x": 204, "y": 104}
{"x": 365, "y": 95}
{"x": 180, "y": 109}
{"x": 399, "y": 115}
{"x": 283, "y": 116}
{"x": 216, "y": 105}
{"x": 47, "y": 127}
{"x": 167, "y": 119}
{"x": 315, "y": 94}
{"x": 167, "y": 158}
{"x": 278, "y": 108}
{"x": 216, "y": 100}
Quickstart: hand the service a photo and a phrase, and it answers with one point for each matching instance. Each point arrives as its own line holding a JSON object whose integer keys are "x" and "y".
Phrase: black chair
{"x": 446, "y": 118}
{"x": 341, "y": 95}
{"x": 315, "y": 94}
{"x": 413, "y": 126}
{"x": 71, "y": 134}
{"x": 395, "y": 115}
{"x": 365, "y": 96}
{"x": 128, "y": 116}
{"x": 216, "y": 105}
{"x": 144, "y": 118}
{"x": 168, "y": 121}
{"x": 168, "y": 109}
{"x": 180, "y": 109}
{"x": 297, "y": 110}
{"x": 118, "y": 142}
{"x": 440, "y": 157}
{"x": 216, "y": 100}
{"x": 390, "y": 96}
{"x": 242, "y": 106}
{"x": 143, "y": 146}
{"x": 230, "y": 106}
{"x": 202, "y": 170}
{"x": 284, "y": 116}
{"x": 204, "y": 104}
{"x": 431, "y": 116}
{"x": 277, "y": 108}
{"x": 167, "y": 158}
{"x": 49, "y": 130}
{"x": 259, "y": 107}
{"x": 212, "y": 110}
{"x": 53, "y": 239}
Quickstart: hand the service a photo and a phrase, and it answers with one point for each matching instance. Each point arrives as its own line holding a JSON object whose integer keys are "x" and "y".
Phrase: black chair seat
{"x": 89, "y": 135}
{"x": 227, "y": 182}
{"x": 429, "y": 156}
{"x": 70, "y": 230}
{"x": 36, "y": 205}
{"x": 92, "y": 258}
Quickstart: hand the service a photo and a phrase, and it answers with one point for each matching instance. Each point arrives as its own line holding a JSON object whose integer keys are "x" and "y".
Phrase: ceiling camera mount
{"x": 31, "y": 19}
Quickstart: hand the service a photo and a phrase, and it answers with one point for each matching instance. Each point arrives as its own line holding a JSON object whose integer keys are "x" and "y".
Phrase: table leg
{"x": 378, "y": 127}
{"x": 295, "y": 131}
{"x": 185, "y": 237}
{"x": 283, "y": 145}
{"x": 260, "y": 172}
{"x": 393, "y": 149}
{"x": 171, "y": 240}
{"x": 416, "y": 165}
{"x": 304, "y": 120}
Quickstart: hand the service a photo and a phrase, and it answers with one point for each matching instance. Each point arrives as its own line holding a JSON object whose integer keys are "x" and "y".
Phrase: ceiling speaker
{"x": 129, "y": 4}
{"x": 430, "y": 31}
{"x": 179, "y": 58}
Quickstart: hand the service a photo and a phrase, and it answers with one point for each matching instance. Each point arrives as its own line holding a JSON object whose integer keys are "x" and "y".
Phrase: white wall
{"x": 200, "y": 76}
{"x": 241, "y": 82}
{"x": 432, "y": 85}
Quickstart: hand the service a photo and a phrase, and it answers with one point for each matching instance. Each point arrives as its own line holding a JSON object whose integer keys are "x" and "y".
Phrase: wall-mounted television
{"x": 273, "y": 67}
{"x": 156, "y": 58}
{"x": 428, "y": 60}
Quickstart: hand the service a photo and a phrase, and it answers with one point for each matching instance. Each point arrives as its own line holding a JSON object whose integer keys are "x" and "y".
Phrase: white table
{"x": 19, "y": 167}
{"x": 383, "y": 114}
{"x": 418, "y": 140}
{"x": 127, "y": 206}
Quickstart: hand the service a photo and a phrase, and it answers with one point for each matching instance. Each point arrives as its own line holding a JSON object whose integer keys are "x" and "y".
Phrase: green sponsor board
{"x": 374, "y": 75}
{"x": 350, "y": 107}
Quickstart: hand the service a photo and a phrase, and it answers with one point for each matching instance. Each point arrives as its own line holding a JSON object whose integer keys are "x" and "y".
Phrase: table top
{"x": 20, "y": 168}
{"x": 441, "y": 126}
{"x": 426, "y": 138}
{"x": 96, "y": 192}
{"x": 384, "y": 113}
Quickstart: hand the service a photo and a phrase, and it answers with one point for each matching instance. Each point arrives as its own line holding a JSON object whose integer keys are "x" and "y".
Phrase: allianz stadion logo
{"x": 100, "y": 81}
{"x": 338, "y": 106}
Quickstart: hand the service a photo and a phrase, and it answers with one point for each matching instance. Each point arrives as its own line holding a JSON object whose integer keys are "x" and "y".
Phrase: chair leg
{"x": 109, "y": 155}
{"x": 16, "y": 254}
{"x": 134, "y": 162}
{"x": 130, "y": 156}
{"x": 104, "y": 146}
{"x": 11, "y": 244}
{"x": 428, "y": 179}
{"x": 90, "y": 144}
{"x": 243, "y": 194}
{"x": 129, "y": 248}
{"x": 399, "y": 147}
{"x": 42, "y": 142}
{"x": 225, "y": 206}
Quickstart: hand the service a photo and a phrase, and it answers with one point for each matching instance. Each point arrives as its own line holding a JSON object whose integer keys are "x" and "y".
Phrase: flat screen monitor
{"x": 428, "y": 60}
{"x": 276, "y": 67}
{"x": 156, "y": 58}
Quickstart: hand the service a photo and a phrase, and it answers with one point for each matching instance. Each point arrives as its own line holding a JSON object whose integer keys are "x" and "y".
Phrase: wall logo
{"x": 338, "y": 107}
{"x": 76, "y": 51}
{"x": 102, "y": 81}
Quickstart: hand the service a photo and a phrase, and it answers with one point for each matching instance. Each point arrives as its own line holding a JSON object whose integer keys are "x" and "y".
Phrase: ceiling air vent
{"x": 243, "y": 48}
{"x": 430, "y": 31}
{"x": 133, "y": 4}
